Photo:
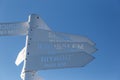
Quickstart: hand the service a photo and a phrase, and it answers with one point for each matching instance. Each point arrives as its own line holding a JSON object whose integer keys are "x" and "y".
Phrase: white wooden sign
{"x": 58, "y": 61}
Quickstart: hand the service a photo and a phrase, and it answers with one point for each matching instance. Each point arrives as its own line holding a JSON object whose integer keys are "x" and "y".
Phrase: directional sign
{"x": 60, "y": 47}
{"x": 45, "y": 36}
{"x": 11, "y": 29}
{"x": 46, "y": 42}
{"x": 56, "y": 61}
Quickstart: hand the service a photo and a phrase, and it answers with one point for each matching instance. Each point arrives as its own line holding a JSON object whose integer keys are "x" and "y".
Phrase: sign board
{"x": 58, "y": 61}
{"x": 11, "y": 29}
{"x": 46, "y": 35}
{"x": 60, "y": 47}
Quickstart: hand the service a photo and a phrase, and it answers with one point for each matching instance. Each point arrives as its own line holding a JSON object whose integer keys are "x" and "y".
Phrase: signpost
{"x": 46, "y": 49}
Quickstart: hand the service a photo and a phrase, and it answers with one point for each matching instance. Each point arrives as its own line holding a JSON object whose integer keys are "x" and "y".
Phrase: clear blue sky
{"x": 97, "y": 19}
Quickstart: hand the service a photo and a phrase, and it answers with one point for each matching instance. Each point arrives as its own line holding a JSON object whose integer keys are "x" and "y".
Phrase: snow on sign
{"x": 12, "y": 29}
{"x": 43, "y": 42}
{"x": 56, "y": 61}
{"x": 46, "y": 49}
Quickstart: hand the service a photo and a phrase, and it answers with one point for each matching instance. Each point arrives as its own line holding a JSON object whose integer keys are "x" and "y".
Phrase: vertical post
{"x": 35, "y": 22}
{"x": 29, "y": 74}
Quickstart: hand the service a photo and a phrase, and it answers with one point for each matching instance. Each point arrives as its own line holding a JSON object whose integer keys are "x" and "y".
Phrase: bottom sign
{"x": 57, "y": 61}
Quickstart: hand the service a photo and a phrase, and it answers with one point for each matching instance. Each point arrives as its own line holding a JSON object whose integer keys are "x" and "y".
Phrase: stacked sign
{"x": 46, "y": 49}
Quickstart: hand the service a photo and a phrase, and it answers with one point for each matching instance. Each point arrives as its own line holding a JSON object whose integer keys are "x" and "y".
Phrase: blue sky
{"x": 97, "y": 19}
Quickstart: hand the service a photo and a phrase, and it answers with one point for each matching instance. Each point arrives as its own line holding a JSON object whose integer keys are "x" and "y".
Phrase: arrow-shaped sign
{"x": 56, "y": 61}
{"x": 61, "y": 47}
{"x": 50, "y": 36}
